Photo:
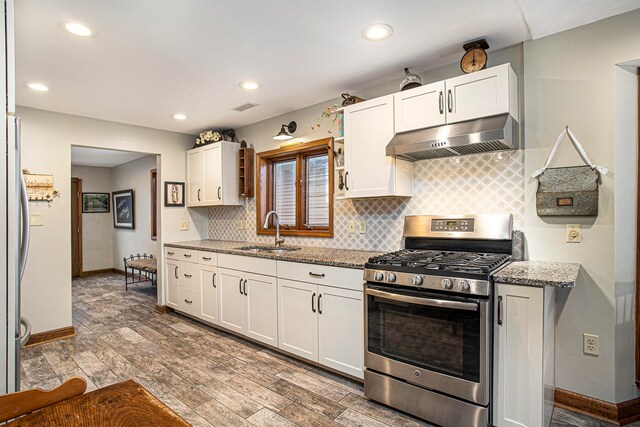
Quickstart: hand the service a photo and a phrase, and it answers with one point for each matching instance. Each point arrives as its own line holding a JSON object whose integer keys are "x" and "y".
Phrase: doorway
{"x": 76, "y": 227}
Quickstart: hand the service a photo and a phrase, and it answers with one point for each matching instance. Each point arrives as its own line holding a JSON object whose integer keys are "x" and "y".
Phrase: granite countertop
{"x": 539, "y": 273}
{"x": 314, "y": 255}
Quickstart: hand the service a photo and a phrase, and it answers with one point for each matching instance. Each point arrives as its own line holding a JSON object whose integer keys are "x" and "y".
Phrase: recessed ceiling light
{"x": 179, "y": 116}
{"x": 249, "y": 85}
{"x": 78, "y": 29}
{"x": 377, "y": 32}
{"x": 38, "y": 87}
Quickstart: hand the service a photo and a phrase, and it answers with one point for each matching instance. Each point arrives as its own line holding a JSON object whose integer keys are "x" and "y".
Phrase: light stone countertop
{"x": 539, "y": 273}
{"x": 346, "y": 258}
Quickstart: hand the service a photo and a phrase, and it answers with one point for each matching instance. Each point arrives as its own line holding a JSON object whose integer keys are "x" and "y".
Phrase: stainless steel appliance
{"x": 428, "y": 318}
{"x": 14, "y": 218}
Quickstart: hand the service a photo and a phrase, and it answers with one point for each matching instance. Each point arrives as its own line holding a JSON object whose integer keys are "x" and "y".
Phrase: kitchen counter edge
{"x": 539, "y": 274}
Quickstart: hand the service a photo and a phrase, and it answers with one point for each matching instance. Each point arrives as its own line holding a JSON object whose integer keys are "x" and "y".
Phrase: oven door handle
{"x": 457, "y": 305}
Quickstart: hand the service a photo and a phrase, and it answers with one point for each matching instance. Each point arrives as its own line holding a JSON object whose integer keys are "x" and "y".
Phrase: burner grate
{"x": 451, "y": 261}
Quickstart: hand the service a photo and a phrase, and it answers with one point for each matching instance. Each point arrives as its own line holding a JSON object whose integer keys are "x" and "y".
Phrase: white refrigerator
{"x": 14, "y": 219}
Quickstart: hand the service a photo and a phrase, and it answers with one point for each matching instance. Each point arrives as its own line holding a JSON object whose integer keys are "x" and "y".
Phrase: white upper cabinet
{"x": 212, "y": 175}
{"x": 369, "y": 172}
{"x": 484, "y": 93}
{"x": 419, "y": 108}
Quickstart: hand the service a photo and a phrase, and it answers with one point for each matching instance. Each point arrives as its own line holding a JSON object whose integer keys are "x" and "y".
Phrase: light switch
{"x": 184, "y": 225}
{"x": 351, "y": 227}
{"x": 36, "y": 220}
{"x": 362, "y": 226}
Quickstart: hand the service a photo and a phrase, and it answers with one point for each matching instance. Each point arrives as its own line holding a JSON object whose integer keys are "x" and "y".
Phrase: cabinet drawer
{"x": 208, "y": 258}
{"x": 188, "y": 255}
{"x": 347, "y": 278}
{"x": 189, "y": 275}
{"x": 189, "y": 301}
{"x": 172, "y": 253}
{"x": 250, "y": 264}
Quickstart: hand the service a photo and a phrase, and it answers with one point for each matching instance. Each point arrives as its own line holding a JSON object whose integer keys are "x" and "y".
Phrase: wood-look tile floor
{"x": 207, "y": 376}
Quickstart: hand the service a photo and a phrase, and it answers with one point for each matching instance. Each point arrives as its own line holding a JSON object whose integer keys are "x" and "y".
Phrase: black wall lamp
{"x": 284, "y": 135}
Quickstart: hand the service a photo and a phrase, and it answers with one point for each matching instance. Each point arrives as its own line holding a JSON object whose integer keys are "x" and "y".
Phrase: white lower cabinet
{"x": 523, "y": 356}
{"x": 209, "y": 294}
{"x": 323, "y": 324}
{"x": 261, "y": 308}
{"x": 232, "y": 300}
{"x": 171, "y": 271}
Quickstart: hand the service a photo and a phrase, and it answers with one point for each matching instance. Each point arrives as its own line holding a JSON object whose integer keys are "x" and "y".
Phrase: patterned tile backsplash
{"x": 482, "y": 183}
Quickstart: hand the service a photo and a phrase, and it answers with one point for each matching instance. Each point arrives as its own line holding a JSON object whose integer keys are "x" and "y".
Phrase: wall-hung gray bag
{"x": 568, "y": 191}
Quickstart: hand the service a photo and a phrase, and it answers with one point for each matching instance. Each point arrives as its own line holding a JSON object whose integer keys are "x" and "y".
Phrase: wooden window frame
{"x": 264, "y": 187}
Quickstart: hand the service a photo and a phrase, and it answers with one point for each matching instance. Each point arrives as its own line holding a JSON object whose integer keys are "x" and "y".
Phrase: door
{"x": 340, "y": 327}
{"x": 209, "y": 294}
{"x": 76, "y": 227}
{"x": 368, "y": 128}
{"x": 298, "y": 318}
{"x": 519, "y": 356}
{"x": 194, "y": 177}
{"x": 212, "y": 165}
{"x": 419, "y": 108}
{"x": 232, "y": 300}
{"x": 172, "y": 271}
{"x": 261, "y": 308}
{"x": 482, "y": 94}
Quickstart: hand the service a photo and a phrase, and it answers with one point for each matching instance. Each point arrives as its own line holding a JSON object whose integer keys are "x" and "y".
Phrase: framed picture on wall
{"x": 96, "y": 203}
{"x": 123, "y": 209}
{"x": 173, "y": 194}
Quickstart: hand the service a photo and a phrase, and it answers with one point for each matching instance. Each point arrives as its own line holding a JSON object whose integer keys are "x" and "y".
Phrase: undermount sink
{"x": 271, "y": 249}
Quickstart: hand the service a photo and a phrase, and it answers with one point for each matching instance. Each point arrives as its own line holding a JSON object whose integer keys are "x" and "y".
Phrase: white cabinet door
{"x": 261, "y": 308}
{"x": 518, "y": 340}
{"x": 340, "y": 327}
{"x": 212, "y": 165}
{"x": 194, "y": 177}
{"x": 482, "y": 94}
{"x": 419, "y": 108}
{"x": 172, "y": 272}
{"x": 368, "y": 128}
{"x": 232, "y": 300}
{"x": 298, "y": 318}
{"x": 209, "y": 294}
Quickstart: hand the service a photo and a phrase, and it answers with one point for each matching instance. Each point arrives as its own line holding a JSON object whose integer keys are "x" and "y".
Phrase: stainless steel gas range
{"x": 428, "y": 318}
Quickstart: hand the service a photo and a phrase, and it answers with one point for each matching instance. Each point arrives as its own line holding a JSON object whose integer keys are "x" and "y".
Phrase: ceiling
{"x": 154, "y": 58}
{"x": 86, "y": 156}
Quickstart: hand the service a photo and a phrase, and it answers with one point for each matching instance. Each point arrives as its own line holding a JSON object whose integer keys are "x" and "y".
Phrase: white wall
{"x": 97, "y": 228}
{"x": 562, "y": 88}
{"x": 134, "y": 175}
{"x": 47, "y": 138}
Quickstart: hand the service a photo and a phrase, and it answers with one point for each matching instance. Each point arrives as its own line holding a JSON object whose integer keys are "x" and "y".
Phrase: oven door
{"x": 440, "y": 342}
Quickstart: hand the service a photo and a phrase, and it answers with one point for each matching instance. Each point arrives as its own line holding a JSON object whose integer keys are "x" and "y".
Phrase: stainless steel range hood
{"x": 475, "y": 136}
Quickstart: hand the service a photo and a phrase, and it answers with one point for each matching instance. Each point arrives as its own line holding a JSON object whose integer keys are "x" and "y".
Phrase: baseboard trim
{"x": 52, "y": 335}
{"x": 163, "y": 309}
{"x": 617, "y": 413}
{"x": 102, "y": 271}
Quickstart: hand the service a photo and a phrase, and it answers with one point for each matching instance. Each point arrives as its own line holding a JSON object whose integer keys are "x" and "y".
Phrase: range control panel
{"x": 445, "y": 225}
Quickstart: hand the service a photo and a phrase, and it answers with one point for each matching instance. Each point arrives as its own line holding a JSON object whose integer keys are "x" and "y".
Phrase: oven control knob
{"x": 418, "y": 281}
{"x": 463, "y": 286}
{"x": 391, "y": 277}
{"x": 377, "y": 276}
{"x": 446, "y": 284}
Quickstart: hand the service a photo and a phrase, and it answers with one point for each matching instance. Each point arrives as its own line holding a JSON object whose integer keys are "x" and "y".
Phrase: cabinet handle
{"x": 214, "y": 280}
{"x": 450, "y": 101}
{"x": 186, "y": 255}
{"x": 198, "y": 194}
{"x": 206, "y": 258}
{"x": 319, "y": 299}
{"x": 187, "y": 275}
{"x": 240, "y": 287}
{"x": 245, "y": 287}
{"x": 188, "y": 302}
{"x": 313, "y": 302}
{"x": 441, "y": 103}
{"x": 499, "y": 310}
{"x": 176, "y": 272}
{"x": 346, "y": 186}
{"x": 170, "y": 253}
{"x": 312, "y": 274}
{"x": 219, "y": 189}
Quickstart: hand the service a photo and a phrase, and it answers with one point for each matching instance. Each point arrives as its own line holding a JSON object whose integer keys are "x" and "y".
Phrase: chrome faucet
{"x": 279, "y": 240}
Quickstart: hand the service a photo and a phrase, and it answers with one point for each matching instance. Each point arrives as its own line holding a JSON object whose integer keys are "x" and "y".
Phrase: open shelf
{"x": 245, "y": 172}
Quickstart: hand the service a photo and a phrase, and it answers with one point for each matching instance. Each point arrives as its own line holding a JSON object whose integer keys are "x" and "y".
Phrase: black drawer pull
{"x": 312, "y": 274}
{"x": 206, "y": 258}
{"x": 319, "y": 308}
{"x": 188, "y": 302}
{"x": 187, "y": 255}
{"x": 313, "y": 301}
{"x": 170, "y": 253}
{"x": 187, "y": 275}
{"x": 213, "y": 279}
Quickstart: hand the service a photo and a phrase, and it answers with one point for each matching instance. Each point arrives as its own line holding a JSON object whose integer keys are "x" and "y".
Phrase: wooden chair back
{"x": 14, "y": 405}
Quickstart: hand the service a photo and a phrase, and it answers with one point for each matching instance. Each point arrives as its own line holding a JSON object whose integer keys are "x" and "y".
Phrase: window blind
{"x": 284, "y": 194}
{"x": 317, "y": 168}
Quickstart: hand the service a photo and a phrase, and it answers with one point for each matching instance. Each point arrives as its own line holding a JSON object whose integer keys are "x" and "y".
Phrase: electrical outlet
{"x": 241, "y": 225}
{"x": 574, "y": 233}
{"x": 591, "y": 344}
{"x": 184, "y": 225}
{"x": 362, "y": 226}
{"x": 351, "y": 227}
